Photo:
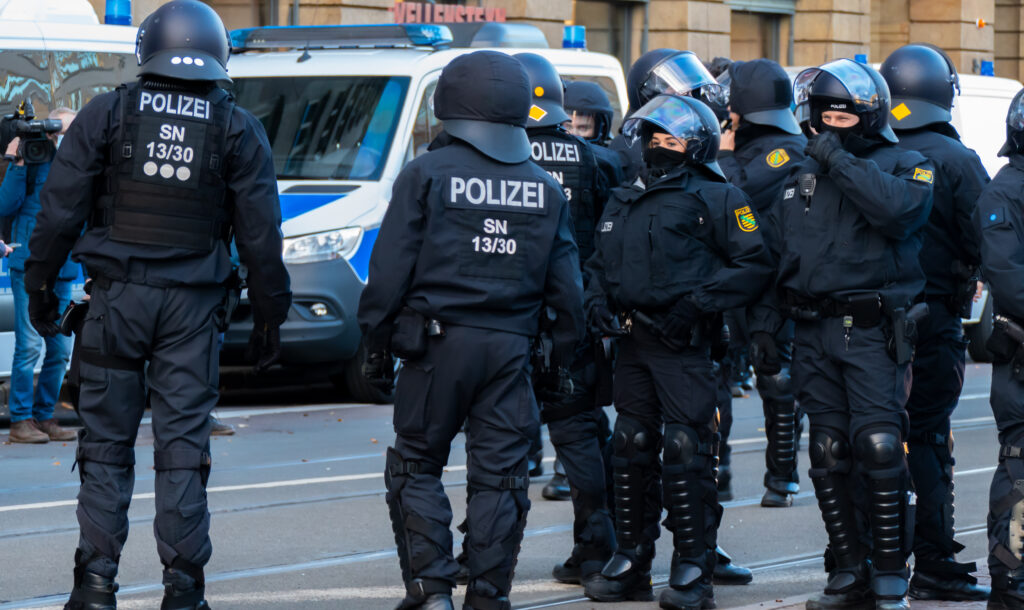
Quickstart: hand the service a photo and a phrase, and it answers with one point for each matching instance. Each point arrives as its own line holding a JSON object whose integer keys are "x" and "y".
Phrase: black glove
{"x": 554, "y": 385}
{"x": 680, "y": 319}
{"x": 264, "y": 345}
{"x": 379, "y": 370}
{"x": 826, "y": 148}
{"x": 43, "y": 311}
{"x": 602, "y": 321}
{"x": 764, "y": 355}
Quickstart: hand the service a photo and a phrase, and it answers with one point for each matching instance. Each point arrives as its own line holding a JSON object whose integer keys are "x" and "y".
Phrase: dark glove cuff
{"x": 378, "y": 340}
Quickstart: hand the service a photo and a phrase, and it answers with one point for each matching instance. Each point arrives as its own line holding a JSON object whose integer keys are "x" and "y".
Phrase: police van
{"x": 53, "y": 53}
{"x": 345, "y": 108}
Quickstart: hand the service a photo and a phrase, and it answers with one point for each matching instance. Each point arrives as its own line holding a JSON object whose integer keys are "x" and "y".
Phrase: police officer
{"x": 674, "y": 250}
{"x": 847, "y": 240}
{"x": 756, "y": 155}
{"x": 162, "y": 173}
{"x": 999, "y": 216}
{"x": 663, "y": 71}
{"x": 478, "y": 240}
{"x": 574, "y": 423}
{"x": 923, "y": 82}
{"x": 591, "y": 114}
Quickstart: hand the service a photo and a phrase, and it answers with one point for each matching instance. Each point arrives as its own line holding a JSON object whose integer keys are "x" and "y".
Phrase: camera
{"x": 36, "y": 146}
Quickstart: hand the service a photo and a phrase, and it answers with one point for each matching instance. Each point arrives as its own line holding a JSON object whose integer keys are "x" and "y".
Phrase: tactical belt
{"x": 866, "y": 311}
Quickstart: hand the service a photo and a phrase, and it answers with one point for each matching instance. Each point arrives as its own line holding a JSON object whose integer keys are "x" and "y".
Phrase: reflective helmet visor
{"x": 672, "y": 115}
{"x": 684, "y": 74}
{"x": 1015, "y": 115}
{"x": 861, "y": 88}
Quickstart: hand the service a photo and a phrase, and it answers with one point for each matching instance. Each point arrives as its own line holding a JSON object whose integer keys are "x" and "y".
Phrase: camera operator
{"x": 32, "y": 418}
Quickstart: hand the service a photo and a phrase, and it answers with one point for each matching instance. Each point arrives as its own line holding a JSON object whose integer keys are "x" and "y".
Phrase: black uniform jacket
{"x": 684, "y": 235}
{"x": 468, "y": 240}
{"x": 761, "y": 162}
{"x": 1000, "y": 219}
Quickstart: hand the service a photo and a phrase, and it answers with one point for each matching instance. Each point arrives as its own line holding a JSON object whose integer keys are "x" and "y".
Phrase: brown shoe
{"x": 25, "y": 431}
{"x": 52, "y": 429}
{"x": 219, "y": 428}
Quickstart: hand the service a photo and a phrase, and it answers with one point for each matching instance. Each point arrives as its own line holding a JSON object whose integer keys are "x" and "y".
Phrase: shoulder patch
{"x": 924, "y": 175}
{"x": 777, "y": 158}
{"x": 745, "y": 219}
{"x": 994, "y": 218}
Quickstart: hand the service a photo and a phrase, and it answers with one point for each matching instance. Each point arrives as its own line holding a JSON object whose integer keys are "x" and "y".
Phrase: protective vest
{"x": 164, "y": 184}
{"x": 572, "y": 163}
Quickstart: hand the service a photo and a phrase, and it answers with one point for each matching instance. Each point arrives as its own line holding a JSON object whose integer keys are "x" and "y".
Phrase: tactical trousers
{"x": 1006, "y": 494}
{"x": 175, "y": 331}
{"x": 938, "y": 371}
{"x": 481, "y": 377}
{"x": 781, "y": 419}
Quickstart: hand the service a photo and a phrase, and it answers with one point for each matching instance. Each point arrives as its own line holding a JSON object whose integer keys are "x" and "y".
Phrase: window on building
{"x": 762, "y": 29}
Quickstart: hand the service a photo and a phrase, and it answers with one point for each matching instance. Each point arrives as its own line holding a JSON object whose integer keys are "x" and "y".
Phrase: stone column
{"x": 1009, "y": 38}
{"x": 952, "y": 25}
{"x": 691, "y": 25}
{"x": 824, "y": 30}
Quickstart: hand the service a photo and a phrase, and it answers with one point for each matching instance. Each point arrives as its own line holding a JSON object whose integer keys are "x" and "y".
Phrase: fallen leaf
{"x": 304, "y": 460}
{"x": 373, "y": 440}
{"x": 56, "y": 463}
{"x": 339, "y": 419}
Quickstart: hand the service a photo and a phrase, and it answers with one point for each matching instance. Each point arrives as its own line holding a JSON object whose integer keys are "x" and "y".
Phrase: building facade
{"x": 792, "y": 32}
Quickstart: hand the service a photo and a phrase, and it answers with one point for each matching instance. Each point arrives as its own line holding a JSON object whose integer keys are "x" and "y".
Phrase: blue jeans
{"x": 27, "y": 343}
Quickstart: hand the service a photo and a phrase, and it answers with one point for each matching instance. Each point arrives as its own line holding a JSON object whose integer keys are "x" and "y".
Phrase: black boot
{"x": 184, "y": 587}
{"x": 92, "y": 592}
{"x": 568, "y": 572}
{"x": 416, "y": 599}
{"x": 626, "y": 576}
{"x": 1008, "y": 590}
{"x": 728, "y": 573}
{"x": 945, "y": 579}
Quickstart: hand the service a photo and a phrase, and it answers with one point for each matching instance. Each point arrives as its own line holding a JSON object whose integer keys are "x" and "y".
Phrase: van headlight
{"x": 326, "y": 246}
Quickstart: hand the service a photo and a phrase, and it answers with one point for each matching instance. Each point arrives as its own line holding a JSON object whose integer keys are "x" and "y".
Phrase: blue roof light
{"x": 574, "y": 37}
{"x": 988, "y": 68}
{"x": 341, "y": 36}
{"x": 118, "y": 12}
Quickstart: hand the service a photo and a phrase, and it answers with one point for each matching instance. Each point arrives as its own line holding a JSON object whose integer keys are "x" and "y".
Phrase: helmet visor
{"x": 671, "y": 115}
{"x": 1015, "y": 116}
{"x": 858, "y": 83}
{"x": 684, "y": 74}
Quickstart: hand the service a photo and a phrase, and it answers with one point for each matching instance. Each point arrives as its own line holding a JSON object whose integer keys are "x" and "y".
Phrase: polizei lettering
{"x": 175, "y": 104}
{"x": 555, "y": 152}
{"x": 502, "y": 193}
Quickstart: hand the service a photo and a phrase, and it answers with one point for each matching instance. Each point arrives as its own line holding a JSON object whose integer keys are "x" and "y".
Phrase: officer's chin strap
{"x": 1013, "y": 458}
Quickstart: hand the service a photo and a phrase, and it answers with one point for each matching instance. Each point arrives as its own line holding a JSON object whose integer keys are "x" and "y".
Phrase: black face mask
{"x": 660, "y": 158}
{"x": 843, "y": 132}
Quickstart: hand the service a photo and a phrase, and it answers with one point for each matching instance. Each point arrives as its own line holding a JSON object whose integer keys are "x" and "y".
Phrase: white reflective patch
{"x": 187, "y": 61}
{"x": 183, "y": 174}
{"x": 790, "y": 193}
{"x": 607, "y": 227}
{"x": 200, "y": 62}
{"x": 166, "y": 170}
{"x": 175, "y": 60}
{"x": 150, "y": 168}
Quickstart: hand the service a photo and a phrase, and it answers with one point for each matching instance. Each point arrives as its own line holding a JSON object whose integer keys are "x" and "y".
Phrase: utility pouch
{"x": 866, "y": 310}
{"x": 72, "y": 318}
{"x": 1007, "y": 344}
{"x": 903, "y": 336}
{"x": 409, "y": 337}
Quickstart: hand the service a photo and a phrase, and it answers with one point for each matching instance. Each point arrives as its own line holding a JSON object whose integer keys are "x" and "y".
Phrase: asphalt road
{"x": 300, "y": 520}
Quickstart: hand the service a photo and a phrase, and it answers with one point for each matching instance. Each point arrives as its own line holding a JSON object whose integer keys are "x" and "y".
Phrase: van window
{"x": 425, "y": 127}
{"x": 61, "y": 78}
{"x": 323, "y": 127}
{"x": 982, "y": 126}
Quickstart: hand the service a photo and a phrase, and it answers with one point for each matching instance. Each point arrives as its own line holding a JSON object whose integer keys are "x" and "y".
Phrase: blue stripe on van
{"x": 360, "y": 261}
{"x": 297, "y": 204}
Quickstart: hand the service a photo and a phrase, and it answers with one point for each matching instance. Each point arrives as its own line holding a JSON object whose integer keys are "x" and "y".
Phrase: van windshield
{"x": 326, "y": 127}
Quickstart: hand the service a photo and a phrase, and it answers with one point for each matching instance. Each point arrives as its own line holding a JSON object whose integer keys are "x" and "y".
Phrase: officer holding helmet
{"x": 476, "y": 242}
{"x": 848, "y": 234}
{"x": 923, "y": 82}
{"x": 757, "y": 154}
{"x": 663, "y": 71}
{"x": 999, "y": 218}
{"x": 574, "y": 421}
{"x": 155, "y": 243}
{"x": 663, "y": 287}
{"x": 591, "y": 116}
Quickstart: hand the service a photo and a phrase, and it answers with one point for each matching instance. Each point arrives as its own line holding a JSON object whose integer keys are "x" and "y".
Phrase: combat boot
{"x": 1008, "y": 590}
{"x": 184, "y": 587}
{"x": 945, "y": 579}
{"x": 92, "y": 592}
{"x": 558, "y": 487}
{"x": 626, "y": 576}
{"x": 568, "y": 572}
{"x": 439, "y": 601}
{"x": 728, "y": 573}
{"x": 689, "y": 582}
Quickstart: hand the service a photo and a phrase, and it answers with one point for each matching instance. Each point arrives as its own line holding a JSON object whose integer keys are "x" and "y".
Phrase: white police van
{"x": 345, "y": 108}
{"x": 53, "y": 53}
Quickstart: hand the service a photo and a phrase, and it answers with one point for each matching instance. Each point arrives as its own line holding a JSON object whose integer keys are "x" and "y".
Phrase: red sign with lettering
{"x": 415, "y": 12}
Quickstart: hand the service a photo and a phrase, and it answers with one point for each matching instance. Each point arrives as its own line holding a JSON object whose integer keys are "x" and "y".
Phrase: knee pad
{"x": 829, "y": 448}
{"x": 684, "y": 447}
{"x": 634, "y": 443}
{"x": 183, "y": 459}
{"x": 880, "y": 447}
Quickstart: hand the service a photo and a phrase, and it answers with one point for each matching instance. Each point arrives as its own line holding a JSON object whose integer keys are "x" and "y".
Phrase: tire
{"x": 359, "y": 389}
{"x": 979, "y": 333}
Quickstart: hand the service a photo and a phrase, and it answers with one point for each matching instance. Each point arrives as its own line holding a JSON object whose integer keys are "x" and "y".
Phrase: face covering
{"x": 660, "y": 158}
{"x": 842, "y": 132}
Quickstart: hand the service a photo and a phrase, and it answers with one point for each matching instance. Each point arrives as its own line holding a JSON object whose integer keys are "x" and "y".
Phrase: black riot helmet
{"x": 547, "y": 89}
{"x": 685, "y": 119}
{"x": 671, "y": 71}
{"x": 483, "y": 98}
{"x": 761, "y": 93}
{"x": 585, "y": 97}
{"x": 185, "y": 40}
{"x": 923, "y": 81}
{"x": 1014, "y": 127}
{"x": 848, "y": 86}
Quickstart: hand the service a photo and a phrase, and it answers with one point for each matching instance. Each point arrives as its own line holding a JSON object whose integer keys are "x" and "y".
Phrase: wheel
{"x": 359, "y": 389}
{"x": 979, "y": 333}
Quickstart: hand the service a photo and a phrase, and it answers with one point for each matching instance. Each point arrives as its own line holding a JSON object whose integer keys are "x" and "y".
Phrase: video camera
{"x": 36, "y": 146}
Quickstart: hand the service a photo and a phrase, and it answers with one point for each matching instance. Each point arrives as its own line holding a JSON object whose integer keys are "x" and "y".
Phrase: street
{"x": 299, "y": 519}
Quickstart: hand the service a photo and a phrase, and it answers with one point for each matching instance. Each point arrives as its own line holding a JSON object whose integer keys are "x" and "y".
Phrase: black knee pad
{"x": 830, "y": 447}
{"x": 684, "y": 447}
{"x": 184, "y": 459}
{"x": 634, "y": 442}
{"x": 880, "y": 447}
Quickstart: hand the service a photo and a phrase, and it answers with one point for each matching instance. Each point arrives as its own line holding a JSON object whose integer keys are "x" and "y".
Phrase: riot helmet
{"x": 184, "y": 40}
{"x": 483, "y": 98}
{"x": 923, "y": 81}
{"x": 547, "y": 90}
{"x": 671, "y": 71}
{"x": 847, "y": 86}
{"x": 761, "y": 93}
{"x": 587, "y": 98}
{"x": 684, "y": 118}
{"x": 1014, "y": 127}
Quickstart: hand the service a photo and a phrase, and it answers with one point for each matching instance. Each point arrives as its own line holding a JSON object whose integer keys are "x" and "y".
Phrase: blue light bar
{"x": 341, "y": 36}
{"x": 988, "y": 68}
{"x": 861, "y": 58}
{"x": 118, "y": 12}
{"x": 574, "y": 37}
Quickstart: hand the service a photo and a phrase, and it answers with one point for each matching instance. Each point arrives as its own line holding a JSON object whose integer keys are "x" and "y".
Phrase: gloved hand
{"x": 554, "y": 385}
{"x": 764, "y": 355}
{"x": 43, "y": 311}
{"x": 264, "y": 344}
{"x": 379, "y": 370}
{"x": 602, "y": 322}
{"x": 680, "y": 319}
{"x": 826, "y": 148}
